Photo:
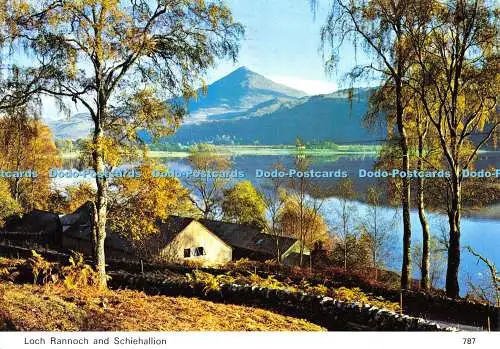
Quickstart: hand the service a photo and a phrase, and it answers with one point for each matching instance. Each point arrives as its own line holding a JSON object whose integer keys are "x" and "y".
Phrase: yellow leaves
{"x": 204, "y": 87}
{"x": 219, "y": 14}
{"x": 106, "y": 147}
{"x": 208, "y": 282}
{"x": 28, "y": 144}
{"x": 137, "y": 41}
{"x": 41, "y": 268}
{"x": 8, "y": 206}
{"x": 243, "y": 204}
{"x": 53, "y": 19}
{"x": 10, "y": 13}
{"x": 140, "y": 202}
{"x": 461, "y": 104}
{"x": 148, "y": 106}
{"x": 301, "y": 220}
{"x": 21, "y": 7}
{"x": 149, "y": 111}
{"x": 72, "y": 64}
{"x": 79, "y": 195}
{"x": 78, "y": 274}
{"x": 204, "y": 157}
{"x": 356, "y": 295}
{"x": 188, "y": 91}
{"x": 201, "y": 4}
{"x": 369, "y": 12}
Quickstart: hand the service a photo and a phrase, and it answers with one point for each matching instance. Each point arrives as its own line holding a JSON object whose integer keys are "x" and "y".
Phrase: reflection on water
{"x": 482, "y": 234}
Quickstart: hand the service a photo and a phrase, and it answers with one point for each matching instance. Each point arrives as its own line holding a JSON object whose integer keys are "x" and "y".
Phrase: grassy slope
{"x": 55, "y": 308}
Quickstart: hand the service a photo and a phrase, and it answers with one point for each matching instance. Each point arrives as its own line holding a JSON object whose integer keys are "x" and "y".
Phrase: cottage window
{"x": 199, "y": 251}
{"x": 187, "y": 252}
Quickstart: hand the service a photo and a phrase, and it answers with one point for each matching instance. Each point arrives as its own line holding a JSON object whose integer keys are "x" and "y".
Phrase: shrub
{"x": 319, "y": 290}
{"x": 243, "y": 263}
{"x": 78, "y": 274}
{"x": 208, "y": 282}
{"x": 7, "y": 274}
{"x": 193, "y": 264}
{"x": 269, "y": 282}
{"x": 8, "y": 269}
{"x": 8, "y": 206}
{"x": 40, "y": 268}
{"x": 356, "y": 295}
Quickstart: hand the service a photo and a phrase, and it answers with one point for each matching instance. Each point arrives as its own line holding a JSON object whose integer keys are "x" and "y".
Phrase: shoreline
{"x": 269, "y": 150}
{"x": 488, "y": 212}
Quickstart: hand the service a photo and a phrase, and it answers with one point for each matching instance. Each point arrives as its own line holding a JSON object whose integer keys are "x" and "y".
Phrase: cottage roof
{"x": 82, "y": 216}
{"x": 172, "y": 226}
{"x": 35, "y": 221}
{"x": 244, "y": 236}
{"x": 77, "y": 225}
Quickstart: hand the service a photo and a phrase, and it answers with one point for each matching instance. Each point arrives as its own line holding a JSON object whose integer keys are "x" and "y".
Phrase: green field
{"x": 271, "y": 150}
{"x": 261, "y": 150}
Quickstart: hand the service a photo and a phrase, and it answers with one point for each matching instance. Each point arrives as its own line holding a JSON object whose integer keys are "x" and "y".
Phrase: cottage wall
{"x": 216, "y": 251}
{"x": 295, "y": 248}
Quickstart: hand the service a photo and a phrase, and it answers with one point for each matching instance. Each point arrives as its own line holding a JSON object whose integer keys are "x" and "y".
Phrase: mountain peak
{"x": 243, "y": 69}
{"x": 240, "y": 75}
{"x": 239, "y": 91}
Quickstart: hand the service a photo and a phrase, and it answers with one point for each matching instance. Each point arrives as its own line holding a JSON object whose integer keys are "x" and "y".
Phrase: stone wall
{"x": 13, "y": 251}
{"x": 418, "y": 303}
{"x": 325, "y": 311}
{"x": 41, "y": 238}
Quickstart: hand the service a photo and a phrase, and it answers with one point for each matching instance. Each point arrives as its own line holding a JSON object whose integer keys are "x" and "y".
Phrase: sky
{"x": 282, "y": 42}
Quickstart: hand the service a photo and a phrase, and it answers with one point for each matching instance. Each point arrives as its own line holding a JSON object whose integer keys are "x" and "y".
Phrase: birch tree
{"x": 378, "y": 27}
{"x": 120, "y": 60}
{"x": 456, "y": 51}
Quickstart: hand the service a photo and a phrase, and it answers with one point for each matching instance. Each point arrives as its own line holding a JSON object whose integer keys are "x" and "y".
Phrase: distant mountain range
{"x": 246, "y": 108}
{"x": 78, "y": 126}
{"x": 237, "y": 93}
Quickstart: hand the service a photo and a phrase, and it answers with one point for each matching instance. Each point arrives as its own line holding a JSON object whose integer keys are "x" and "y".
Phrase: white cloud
{"x": 311, "y": 87}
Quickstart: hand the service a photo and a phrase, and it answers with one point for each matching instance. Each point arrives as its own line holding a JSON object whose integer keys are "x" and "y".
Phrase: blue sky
{"x": 282, "y": 42}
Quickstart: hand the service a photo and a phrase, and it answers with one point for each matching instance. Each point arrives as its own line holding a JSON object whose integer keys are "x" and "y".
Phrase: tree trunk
{"x": 345, "y": 256}
{"x": 101, "y": 206}
{"x": 301, "y": 254}
{"x": 16, "y": 189}
{"x": 344, "y": 221}
{"x": 302, "y": 235}
{"x": 278, "y": 252}
{"x": 93, "y": 227}
{"x": 452, "y": 288}
{"x": 405, "y": 193}
{"x": 424, "y": 279}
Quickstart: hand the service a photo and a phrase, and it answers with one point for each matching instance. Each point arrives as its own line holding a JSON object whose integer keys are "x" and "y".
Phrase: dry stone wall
{"x": 325, "y": 311}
